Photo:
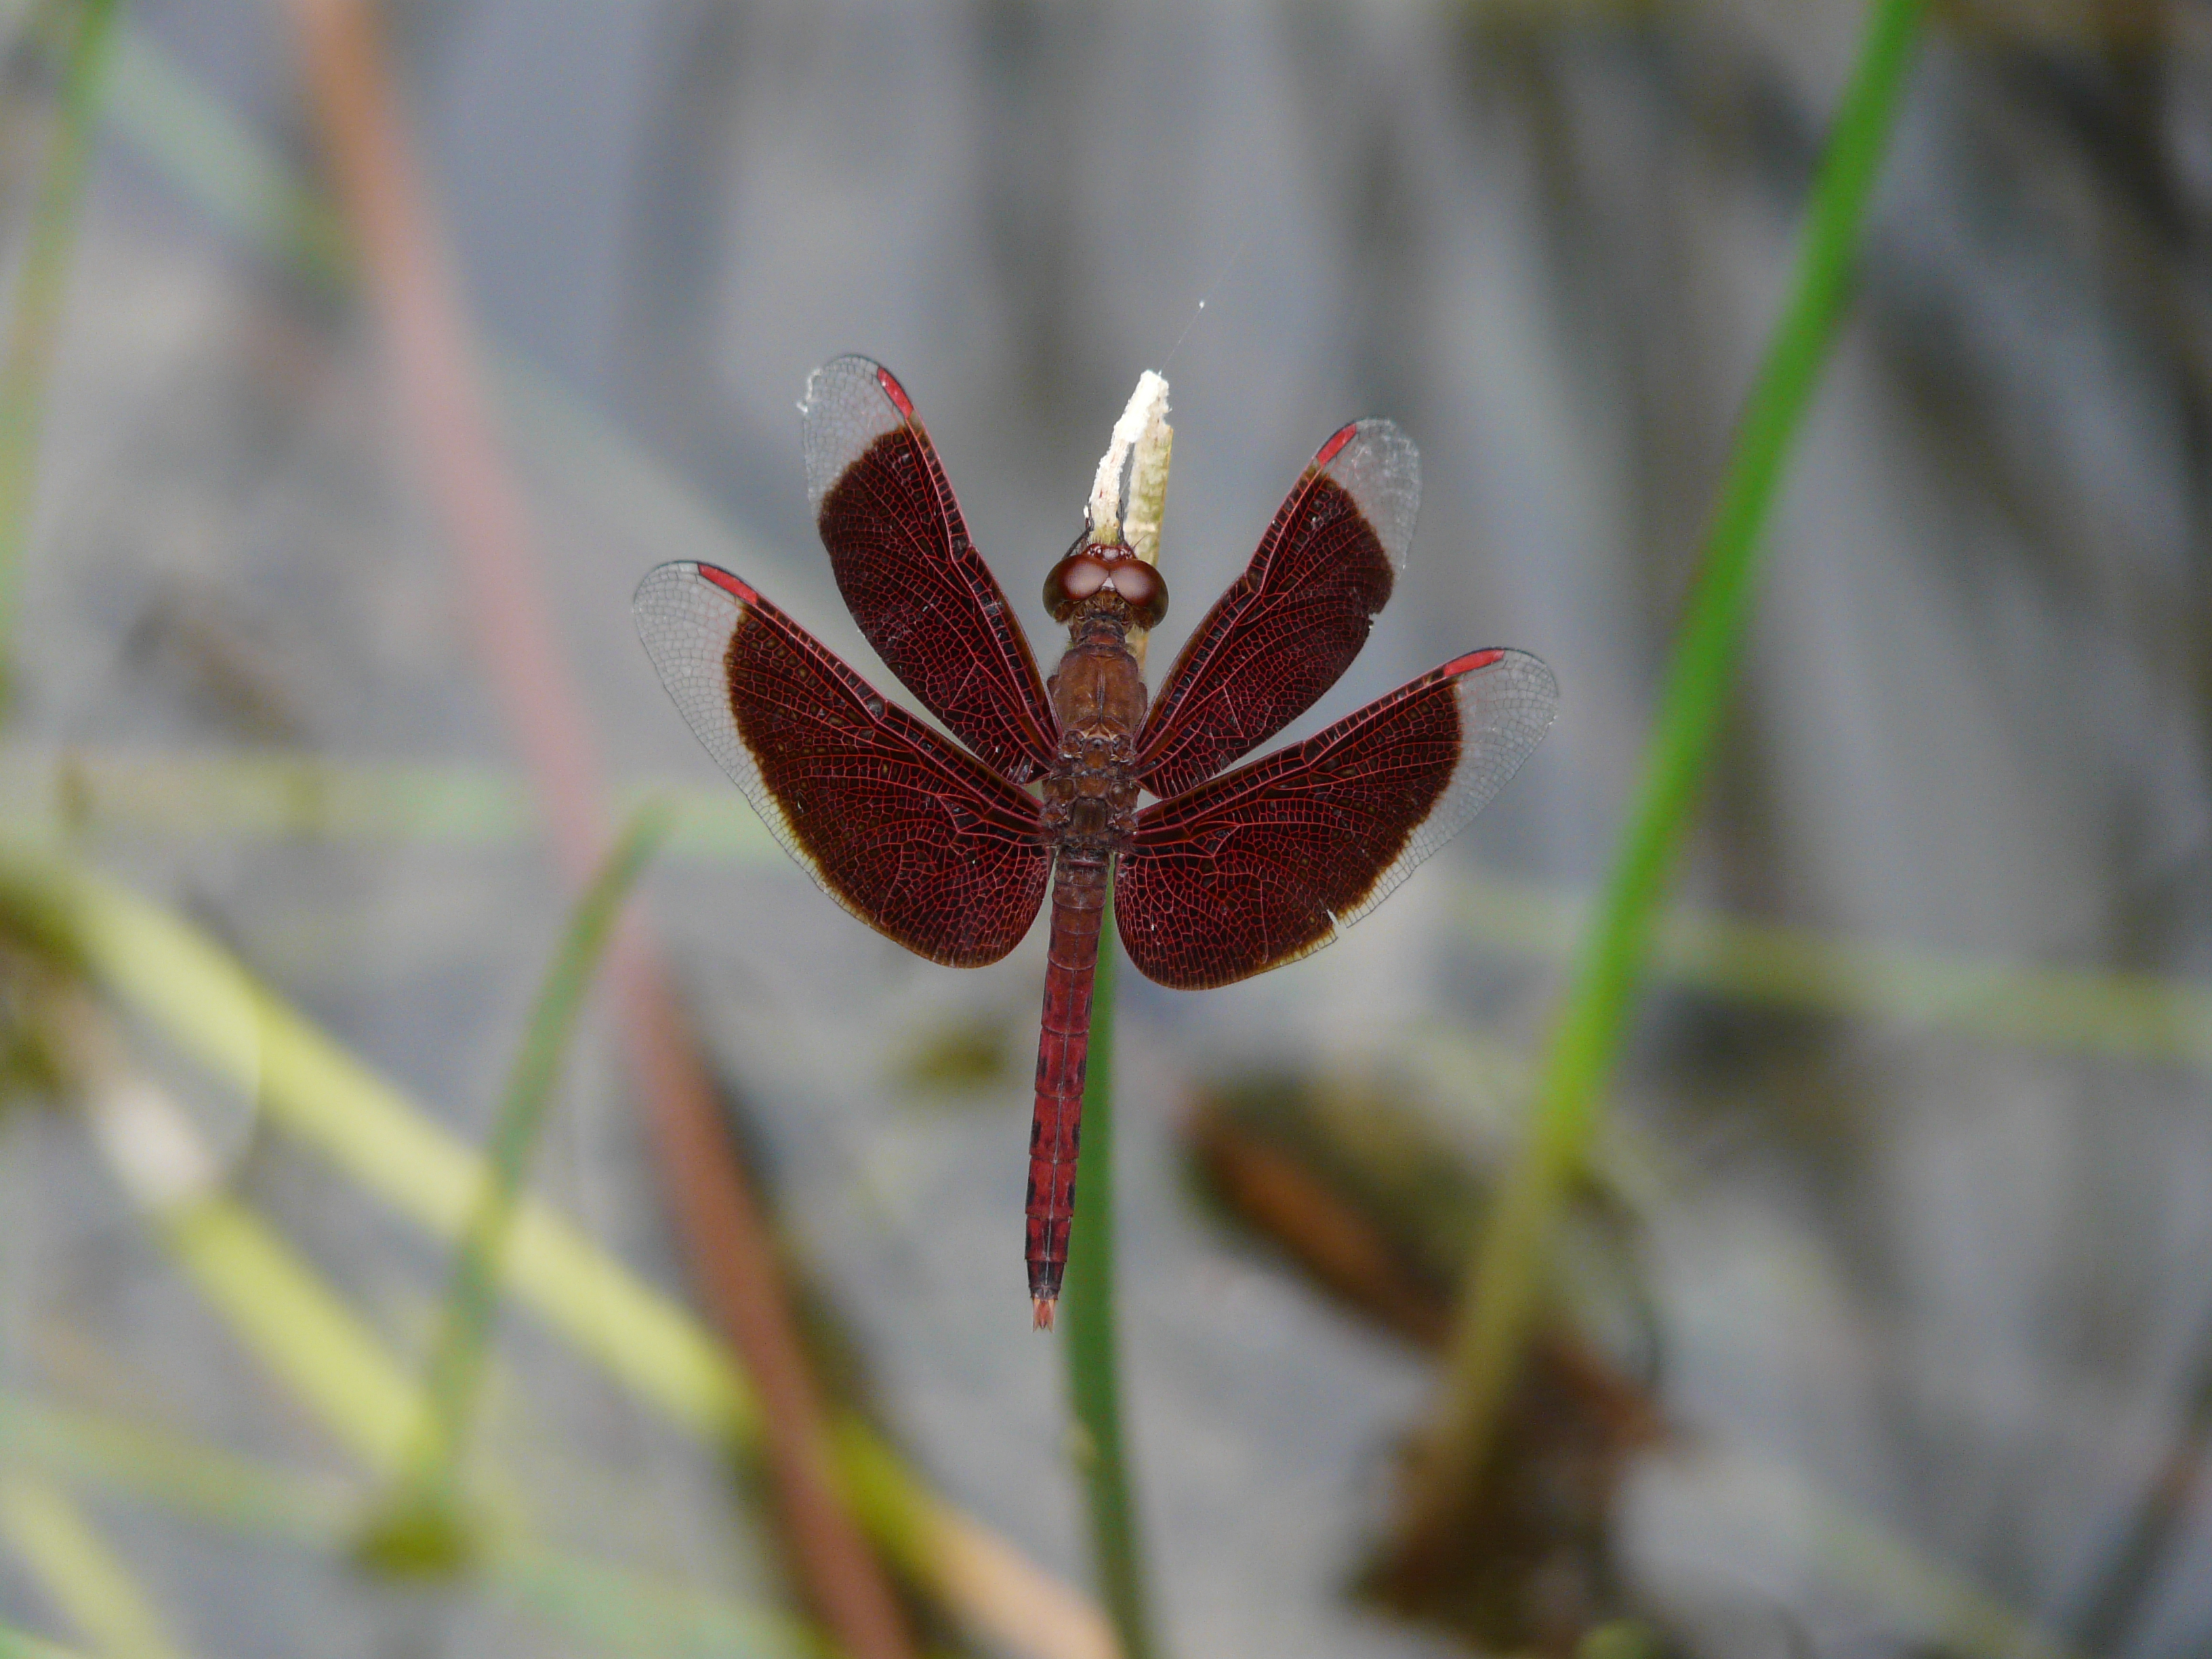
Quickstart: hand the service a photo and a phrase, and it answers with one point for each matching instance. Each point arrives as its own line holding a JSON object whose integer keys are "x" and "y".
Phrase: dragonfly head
{"x": 1113, "y": 572}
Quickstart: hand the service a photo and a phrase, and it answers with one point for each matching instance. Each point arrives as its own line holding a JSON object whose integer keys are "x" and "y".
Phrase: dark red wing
{"x": 913, "y": 581}
{"x": 1293, "y": 621}
{"x": 918, "y": 840}
{"x": 1265, "y": 865}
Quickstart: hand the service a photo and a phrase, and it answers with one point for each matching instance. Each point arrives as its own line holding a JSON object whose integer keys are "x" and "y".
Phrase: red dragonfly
{"x": 943, "y": 847}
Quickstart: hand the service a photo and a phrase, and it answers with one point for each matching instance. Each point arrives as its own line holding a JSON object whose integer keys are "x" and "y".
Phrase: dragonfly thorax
{"x": 1098, "y": 699}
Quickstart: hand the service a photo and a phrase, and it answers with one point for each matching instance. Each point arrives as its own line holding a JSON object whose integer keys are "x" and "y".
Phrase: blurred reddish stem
{"x": 488, "y": 524}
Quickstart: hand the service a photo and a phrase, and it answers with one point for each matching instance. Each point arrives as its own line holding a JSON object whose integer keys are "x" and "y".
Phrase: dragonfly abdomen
{"x": 1079, "y": 905}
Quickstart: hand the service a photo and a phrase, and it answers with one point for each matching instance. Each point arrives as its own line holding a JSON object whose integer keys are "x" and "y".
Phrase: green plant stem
{"x": 287, "y": 1316}
{"x": 79, "y": 1572}
{"x": 299, "y": 1508}
{"x": 309, "y": 1086}
{"x": 34, "y": 322}
{"x": 424, "y": 1508}
{"x": 211, "y": 156}
{"x": 244, "y": 185}
{"x": 628, "y": 1611}
{"x": 1094, "y": 1368}
{"x": 2140, "y": 1019}
{"x": 1499, "y": 1296}
{"x": 21, "y": 1645}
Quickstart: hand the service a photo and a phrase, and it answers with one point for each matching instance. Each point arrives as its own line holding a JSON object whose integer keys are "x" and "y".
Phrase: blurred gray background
{"x": 1934, "y": 1303}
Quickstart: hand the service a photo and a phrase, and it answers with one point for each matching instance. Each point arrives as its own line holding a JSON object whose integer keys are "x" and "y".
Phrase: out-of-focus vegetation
{"x": 1869, "y": 1318}
{"x": 1504, "y": 1280}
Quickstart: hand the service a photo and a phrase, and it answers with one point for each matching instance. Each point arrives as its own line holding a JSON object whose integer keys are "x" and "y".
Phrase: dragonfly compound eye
{"x": 1073, "y": 580}
{"x": 1144, "y": 587}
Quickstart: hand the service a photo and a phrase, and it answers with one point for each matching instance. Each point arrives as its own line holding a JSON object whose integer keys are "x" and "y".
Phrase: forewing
{"x": 919, "y": 840}
{"x": 914, "y": 583}
{"x": 1266, "y": 864}
{"x": 1293, "y": 621}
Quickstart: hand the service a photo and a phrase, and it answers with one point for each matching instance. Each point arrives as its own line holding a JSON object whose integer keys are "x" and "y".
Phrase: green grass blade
{"x": 310, "y": 1087}
{"x": 615, "y": 1607}
{"x": 421, "y": 1529}
{"x": 35, "y": 318}
{"x": 1094, "y": 1370}
{"x": 1499, "y": 1297}
{"x": 287, "y": 1315}
{"x": 242, "y": 183}
{"x": 203, "y": 1483}
{"x": 21, "y": 1644}
{"x": 343, "y": 1375}
{"x": 85, "y": 1579}
{"x": 2142, "y": 1019}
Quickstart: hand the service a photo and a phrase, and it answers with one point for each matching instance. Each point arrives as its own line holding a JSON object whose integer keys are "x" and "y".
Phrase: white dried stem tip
{"x": 1142, "y": 443}
{"x": 156, "y": 1150}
